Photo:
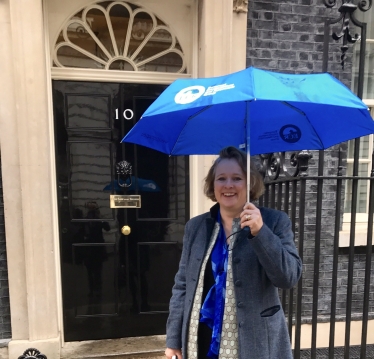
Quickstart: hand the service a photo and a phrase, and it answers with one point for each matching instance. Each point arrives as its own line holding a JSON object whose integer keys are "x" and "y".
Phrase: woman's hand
{"x": 169, "y": 353}
{"x": 251, "y": 217}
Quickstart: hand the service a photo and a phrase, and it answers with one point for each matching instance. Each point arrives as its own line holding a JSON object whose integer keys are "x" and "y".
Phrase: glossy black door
{"x": 114, "y": 285}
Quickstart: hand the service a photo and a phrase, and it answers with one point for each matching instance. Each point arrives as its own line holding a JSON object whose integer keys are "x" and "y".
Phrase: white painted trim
{"x": 115, "y": 76}
{"x": 368, "y": 102}
{"x": 195, "y": 41}
{"x": 360, "y": 238}
{"x": 323, "y": 334}
{"x": 361, "y": 230}
{"x": 53, "y": 178}
{"x": 195, "y": 161}
{"x": 32, "y": 160}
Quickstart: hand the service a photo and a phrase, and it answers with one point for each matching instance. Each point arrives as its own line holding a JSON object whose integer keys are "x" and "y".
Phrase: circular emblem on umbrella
{"x": 189, "y": 94}
{"x": 290, "y": 133}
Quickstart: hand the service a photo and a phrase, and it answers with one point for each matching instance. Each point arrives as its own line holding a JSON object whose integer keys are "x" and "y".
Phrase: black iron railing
{"x": 314, "y": 198}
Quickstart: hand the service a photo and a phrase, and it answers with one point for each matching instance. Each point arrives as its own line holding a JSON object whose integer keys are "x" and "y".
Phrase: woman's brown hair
{"x": 232, "y": 153}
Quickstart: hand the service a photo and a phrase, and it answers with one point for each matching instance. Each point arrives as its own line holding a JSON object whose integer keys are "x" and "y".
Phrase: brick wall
{"x": 5, "y": 328}
{"x": 287, "y": 36}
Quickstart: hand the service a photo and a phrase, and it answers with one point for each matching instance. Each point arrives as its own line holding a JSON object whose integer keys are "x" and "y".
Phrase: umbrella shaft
{"x": 248, "y": 170}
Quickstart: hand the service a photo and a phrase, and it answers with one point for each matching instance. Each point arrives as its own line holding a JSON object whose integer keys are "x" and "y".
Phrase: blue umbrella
{"x": 259, "y": 110}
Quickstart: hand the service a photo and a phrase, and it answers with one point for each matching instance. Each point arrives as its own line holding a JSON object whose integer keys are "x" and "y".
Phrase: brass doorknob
{"x": 126, "y": 230}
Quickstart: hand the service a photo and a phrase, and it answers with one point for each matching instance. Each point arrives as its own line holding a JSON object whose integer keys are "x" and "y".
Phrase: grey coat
{"x": 260, "y": 265}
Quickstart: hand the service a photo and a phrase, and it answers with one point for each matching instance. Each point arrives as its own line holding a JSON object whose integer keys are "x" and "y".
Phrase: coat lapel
{"x": 202, "y": 237}
{"x": 209, "y": 230}
{"x": 200, "y": 246}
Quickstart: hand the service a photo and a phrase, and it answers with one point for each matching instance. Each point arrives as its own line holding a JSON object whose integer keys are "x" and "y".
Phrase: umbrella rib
{"x": 199, "y": 112}
{"x": 304, "y": 114}
{"x": 190, "y": 118}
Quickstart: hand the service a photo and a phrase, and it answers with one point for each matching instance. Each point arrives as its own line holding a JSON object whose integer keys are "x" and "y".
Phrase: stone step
{"x": 152, "y": 347}
{"x": 4, "y": 353}
{"x": 125, "y": 356}
{"x": 152, "y": 355}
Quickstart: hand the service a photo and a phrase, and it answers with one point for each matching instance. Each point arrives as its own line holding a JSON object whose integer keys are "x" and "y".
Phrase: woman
{"x": 225, "y": 301}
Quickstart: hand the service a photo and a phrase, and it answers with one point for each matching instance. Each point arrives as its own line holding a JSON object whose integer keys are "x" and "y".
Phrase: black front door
{"x": 117, "y": 264}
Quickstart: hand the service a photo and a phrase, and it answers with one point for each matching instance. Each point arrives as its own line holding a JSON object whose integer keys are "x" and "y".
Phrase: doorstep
{"x": 152, "y": 347}
{"x": 4, "y": 353}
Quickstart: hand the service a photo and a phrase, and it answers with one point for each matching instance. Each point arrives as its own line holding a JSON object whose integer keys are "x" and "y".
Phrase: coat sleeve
{"x": 176, "y": 305}
{"x": 277, "y": 253}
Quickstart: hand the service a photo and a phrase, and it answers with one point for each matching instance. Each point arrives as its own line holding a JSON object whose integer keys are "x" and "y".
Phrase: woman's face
{"x": 230, "y": 186}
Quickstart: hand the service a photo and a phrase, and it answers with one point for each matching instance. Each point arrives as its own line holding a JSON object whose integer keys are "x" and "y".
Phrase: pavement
{"x": 153, "y": 348}
{"x": 354, "y": 353}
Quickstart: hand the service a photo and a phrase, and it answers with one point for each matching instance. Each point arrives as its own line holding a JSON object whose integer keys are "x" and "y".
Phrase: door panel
{"x": 90, "y": 166}
{"x": 114, "y": 285}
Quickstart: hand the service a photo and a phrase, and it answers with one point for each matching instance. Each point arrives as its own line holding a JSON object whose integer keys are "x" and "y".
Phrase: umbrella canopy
{"x": 262, "y": 110}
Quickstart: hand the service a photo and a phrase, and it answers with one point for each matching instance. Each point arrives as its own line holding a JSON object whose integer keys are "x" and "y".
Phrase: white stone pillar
{"x": 222, "y": 49}
{"x": 26, "y": 166}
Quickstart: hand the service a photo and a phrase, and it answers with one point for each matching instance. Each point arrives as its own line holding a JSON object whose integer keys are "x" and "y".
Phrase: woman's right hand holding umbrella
{"x": 173, "y": 353}
{"x": 251, "y": 217}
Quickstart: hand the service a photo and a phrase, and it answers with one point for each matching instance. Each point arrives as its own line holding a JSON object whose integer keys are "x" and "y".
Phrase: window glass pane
{"x": 121, "y": 65}
{"x": 142, "y": 26}
{"x": 368, "y": 89}
{"x": 362, "y": 189}
{"x": 79, "y": 36}
{"x": 364, "y": 148}
{"x": 367, "y": 17}
{"x": 160, "y": 41}
{"x": 171, "y": 62}
{"x": 70, "y": 57}
{"x": 120, "y": 16}
{"x": 99, "y": 26}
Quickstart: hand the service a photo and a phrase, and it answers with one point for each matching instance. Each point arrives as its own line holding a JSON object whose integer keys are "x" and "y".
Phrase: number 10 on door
{"x": 127, "y": 114}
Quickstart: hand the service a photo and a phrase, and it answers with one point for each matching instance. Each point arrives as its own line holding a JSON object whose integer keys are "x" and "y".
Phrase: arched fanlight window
{"x": 118, "y": 35}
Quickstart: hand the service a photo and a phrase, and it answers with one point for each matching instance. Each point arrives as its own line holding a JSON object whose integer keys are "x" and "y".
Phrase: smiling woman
{"x": 257, "y": 185}
{"x": 230, "y": 186}
{"x": 210, "y": 313}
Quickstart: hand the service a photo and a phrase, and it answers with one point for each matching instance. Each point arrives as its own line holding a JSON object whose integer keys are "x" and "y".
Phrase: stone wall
{"x": 288, "y": 36}
{"x": 5, "y": 328}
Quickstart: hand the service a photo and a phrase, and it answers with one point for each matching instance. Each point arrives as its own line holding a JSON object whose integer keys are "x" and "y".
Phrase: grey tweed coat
{"x": 261, "y": 264}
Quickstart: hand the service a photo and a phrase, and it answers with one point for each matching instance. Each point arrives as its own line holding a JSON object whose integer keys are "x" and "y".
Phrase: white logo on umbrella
{"x": 189, "y": 94}
{"x": 192, "y": 93}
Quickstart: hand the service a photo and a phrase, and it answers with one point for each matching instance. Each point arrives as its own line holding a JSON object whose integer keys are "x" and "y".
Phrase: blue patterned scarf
{"x": 214, "y": 303}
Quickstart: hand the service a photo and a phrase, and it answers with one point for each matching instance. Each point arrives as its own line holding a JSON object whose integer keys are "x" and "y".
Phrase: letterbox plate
{"x": 125, "y": 201}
